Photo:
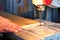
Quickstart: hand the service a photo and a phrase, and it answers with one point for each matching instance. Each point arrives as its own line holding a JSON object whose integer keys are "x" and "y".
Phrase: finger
{"x": 13, "y": 30}
{"x": 15, "y": 27}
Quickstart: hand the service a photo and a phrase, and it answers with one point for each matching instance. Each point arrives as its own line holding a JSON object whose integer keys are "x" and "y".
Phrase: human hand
{"x": 7, "y": 25}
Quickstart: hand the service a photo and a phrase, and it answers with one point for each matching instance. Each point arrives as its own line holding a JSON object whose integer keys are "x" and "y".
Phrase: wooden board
{"x": 22, "y": 22}
{"x": 18, "y": 19}
{"x": 40, "y": 32}
{"x": 26, "y": 33}
{"x": 36, "y": 34}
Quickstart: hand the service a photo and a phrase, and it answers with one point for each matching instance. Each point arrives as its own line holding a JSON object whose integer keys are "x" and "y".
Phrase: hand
{"x": 7, "y": 25}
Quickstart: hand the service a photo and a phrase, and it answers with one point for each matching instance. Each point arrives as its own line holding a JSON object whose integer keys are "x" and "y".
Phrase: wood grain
{"x": 18, "y": 19}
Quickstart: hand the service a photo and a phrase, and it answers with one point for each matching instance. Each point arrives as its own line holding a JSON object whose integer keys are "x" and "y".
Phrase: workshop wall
{"x": 55, "y": 15}
{"x": 1, "y": 6}
{"x": 52, "y": 14}
{"x": 11, "y": 6}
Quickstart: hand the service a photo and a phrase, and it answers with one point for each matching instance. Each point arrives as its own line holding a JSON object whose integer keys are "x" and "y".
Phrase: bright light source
{"x": 37, "y": 2}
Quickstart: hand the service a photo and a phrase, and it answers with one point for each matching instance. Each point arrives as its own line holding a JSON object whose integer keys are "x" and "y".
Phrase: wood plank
{"x": 37, "y": 33}
{"x": 18, "y": 20}
{"x": 34, "y": 32}
{"x": 28, "y": 35}
{"x": 22, "y": 22}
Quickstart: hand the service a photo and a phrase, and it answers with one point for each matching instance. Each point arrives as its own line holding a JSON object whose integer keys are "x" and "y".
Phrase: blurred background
{"x": 26, "y": 9}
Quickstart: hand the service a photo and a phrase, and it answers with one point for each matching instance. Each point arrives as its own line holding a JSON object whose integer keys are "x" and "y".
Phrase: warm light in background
{"x": 50, "y": 3}
{"x": 40, "y": 2}
{"x": 37, "y": 2}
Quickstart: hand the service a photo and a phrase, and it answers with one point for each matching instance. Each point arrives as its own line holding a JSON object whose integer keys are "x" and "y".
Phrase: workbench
{"x": 29, "y": 26}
